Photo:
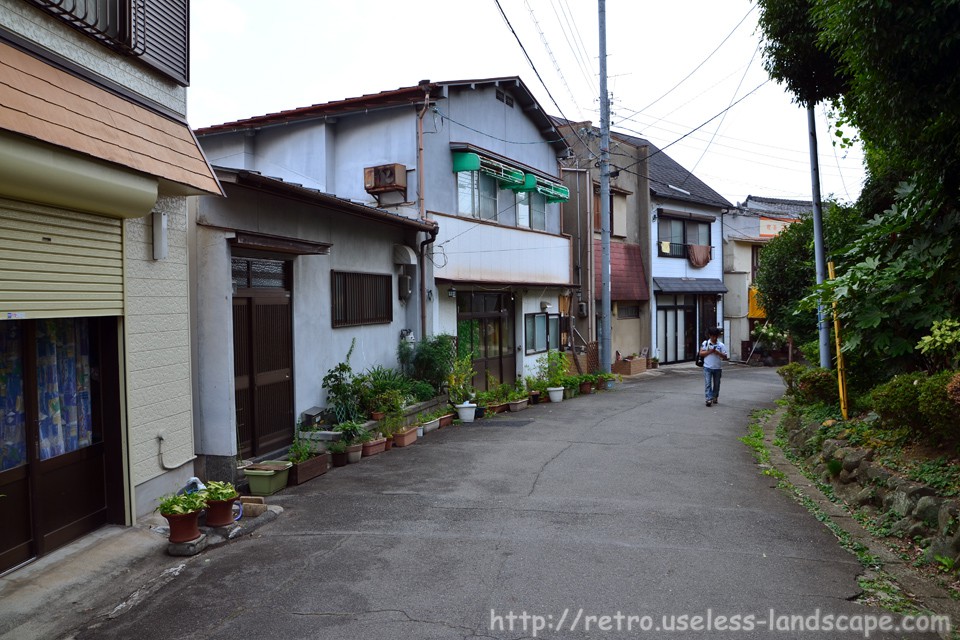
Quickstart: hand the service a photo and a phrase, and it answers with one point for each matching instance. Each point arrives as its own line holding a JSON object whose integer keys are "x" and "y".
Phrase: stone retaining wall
{"x": 865, "y": 484}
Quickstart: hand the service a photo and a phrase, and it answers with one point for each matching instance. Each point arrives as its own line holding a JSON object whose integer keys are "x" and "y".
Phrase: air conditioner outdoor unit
{"x": 385, "y": 178}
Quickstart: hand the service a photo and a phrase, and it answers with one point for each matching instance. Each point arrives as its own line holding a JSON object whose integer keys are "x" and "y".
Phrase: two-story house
{"x": 746, "y": 229}
{"x": 686, "y": 266}
{"x": 96, "y": 163}
{"x": 422, "y": 210}
{"x": 630, "y": 312}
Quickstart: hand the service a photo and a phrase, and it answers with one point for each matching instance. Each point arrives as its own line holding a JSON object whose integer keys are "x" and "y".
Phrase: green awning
{"x": 509, "y": 177}
{"x": 497, "y": 170}
{"x": 552, "y": 191}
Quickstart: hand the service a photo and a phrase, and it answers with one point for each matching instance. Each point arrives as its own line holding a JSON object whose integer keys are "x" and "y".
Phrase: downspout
{"x": 425, "y": 85}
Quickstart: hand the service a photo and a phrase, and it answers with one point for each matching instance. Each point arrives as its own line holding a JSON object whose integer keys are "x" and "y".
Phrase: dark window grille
{"x": 156, "y": 32}
{"x": 361, "y": 298}
{"x": 255, "y": 273}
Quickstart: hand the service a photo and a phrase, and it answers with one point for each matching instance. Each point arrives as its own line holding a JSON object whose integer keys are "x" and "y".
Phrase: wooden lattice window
{"x": 361, "y": 298}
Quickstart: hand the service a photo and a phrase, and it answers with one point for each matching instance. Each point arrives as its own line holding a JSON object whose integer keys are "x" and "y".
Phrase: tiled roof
{"x": 397, "y": 98}
{"x": 670, "y": 180}
{"x": 42, "y": 102}
{"x": 777, "y": 206}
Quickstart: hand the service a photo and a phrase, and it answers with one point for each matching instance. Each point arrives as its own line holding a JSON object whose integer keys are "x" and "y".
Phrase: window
{"x": 361, "y": 298}
{"x": 531, "y": 210}
{"x": 628, "y": 310}
{"x": 255, "y": 273}
{"x": 123, "y": 25}
{"x": 541, "y": 332}
{"x": 674, "y": 235}
{"x": 477, "y": 195}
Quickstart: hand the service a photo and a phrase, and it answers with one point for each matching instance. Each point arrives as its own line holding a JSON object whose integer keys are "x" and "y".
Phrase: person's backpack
{"x": 699, "y": 361}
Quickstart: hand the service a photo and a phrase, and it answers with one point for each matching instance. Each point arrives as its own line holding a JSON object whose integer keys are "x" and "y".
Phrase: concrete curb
{"x": 930, "y": 595}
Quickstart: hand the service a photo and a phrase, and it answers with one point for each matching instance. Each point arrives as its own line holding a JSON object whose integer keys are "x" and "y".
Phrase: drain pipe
{"x": 421, "y": 202}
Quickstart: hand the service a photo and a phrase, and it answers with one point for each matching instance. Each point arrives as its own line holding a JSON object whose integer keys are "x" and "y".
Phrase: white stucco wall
{"x": 157, "y": 339}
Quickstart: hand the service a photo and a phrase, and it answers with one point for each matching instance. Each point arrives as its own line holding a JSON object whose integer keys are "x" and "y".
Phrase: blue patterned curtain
{"x": 13, "y": 443}
{"x": 63, "y": 385}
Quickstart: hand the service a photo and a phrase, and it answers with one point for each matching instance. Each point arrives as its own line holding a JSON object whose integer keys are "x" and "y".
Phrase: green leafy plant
{"x": 942, "y": 346}
{"x": 337, "y": 446}
{"x": 460, "y": 380}
{"x": 552, "y": 367}
{"x": 342, "y": 395}
{"x": 432, "y": 360}
{"x": 790, "y": 374}
{"x": 940, "y": 414}
{"x": 350, "y": 431}
{"x": 217, "y": 490}
{"x": 897, "y": 401}
{"x": 183, "y": 503}
{"x": 300, "y": 451}
{"x": 815, "y": 384}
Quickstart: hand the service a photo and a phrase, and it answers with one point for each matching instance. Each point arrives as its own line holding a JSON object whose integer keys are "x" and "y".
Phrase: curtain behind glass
{"x": 13, "y": 443}
{"x": 63, "y": 385}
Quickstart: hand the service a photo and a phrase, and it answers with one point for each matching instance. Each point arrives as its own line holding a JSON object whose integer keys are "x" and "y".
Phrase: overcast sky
{"x": 672, "y": 66}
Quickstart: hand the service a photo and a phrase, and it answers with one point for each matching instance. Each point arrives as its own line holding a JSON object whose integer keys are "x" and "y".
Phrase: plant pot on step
{"x": 220, "y": 512}
{"x": 466, "y": 411}
{"x": 534, "y": 397}
{"x": 388, "y": 444}
{"x": 339, "y": 459}
{"x": 555, "y": 393}
{"x": 446, "y": 419}
{"x": 268, "y": 477}
{"x": 184, "y": 527}
{"x": 586, "y": 388}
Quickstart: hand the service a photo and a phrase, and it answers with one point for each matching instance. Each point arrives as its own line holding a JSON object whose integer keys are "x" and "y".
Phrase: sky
{"x": 685, "y": 74}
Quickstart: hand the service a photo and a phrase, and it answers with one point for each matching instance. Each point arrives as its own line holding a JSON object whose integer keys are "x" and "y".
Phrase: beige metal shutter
{"x": 56, "y": 263}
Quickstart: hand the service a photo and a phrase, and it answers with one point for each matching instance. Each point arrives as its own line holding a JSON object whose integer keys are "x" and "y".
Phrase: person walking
{"x": 714, "y": 353}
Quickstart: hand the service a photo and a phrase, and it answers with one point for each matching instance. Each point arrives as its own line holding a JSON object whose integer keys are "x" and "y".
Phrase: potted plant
{"x": 535, "y": 389}
{"x": 607, "y": 380}
{"x": 307, "y": 462}
{"x": 182, "y": 512}
{"x": 586, "y": 382}
{"x": 552, "y": 367}
{"x": 220, "y": 497}
{"x": 268, "y": 477}
{"x": 517, "y": 400}
{"x": 460, "y": 388}
{"x": 351, "y": 432}
{"x": 338, "y": 453}
{"x": 372, "y": 444}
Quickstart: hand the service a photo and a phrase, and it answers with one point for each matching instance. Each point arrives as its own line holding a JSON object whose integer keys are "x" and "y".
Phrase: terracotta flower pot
{"x": 373, "y": 447}
{"x": 405, "y": 438}
{"x": 184, "y": 527}
{"x": 220, "y": 512}
{"x": 388, "y": 444}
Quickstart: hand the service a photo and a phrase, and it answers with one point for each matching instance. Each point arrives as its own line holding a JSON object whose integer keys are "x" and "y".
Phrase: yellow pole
{"x": 841, "y": 370}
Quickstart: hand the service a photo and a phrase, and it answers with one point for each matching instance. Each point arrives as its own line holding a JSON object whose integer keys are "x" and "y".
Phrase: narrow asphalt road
{"x": 630, "y": 503}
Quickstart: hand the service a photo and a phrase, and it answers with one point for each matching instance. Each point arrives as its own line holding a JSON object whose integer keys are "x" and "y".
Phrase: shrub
{"x": 422, "y": 391}
{"x": 432, "y": 359}
{"x": 790, "y": 374}
{"x": 897, "y": 401}
{"x": 941, "y": 416}
{"x": 815, "y": 384}
{"x": 953, "y": 389}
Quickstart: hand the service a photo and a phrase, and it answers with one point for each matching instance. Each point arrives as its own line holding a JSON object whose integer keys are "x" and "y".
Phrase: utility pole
{"x": 818, "y": 249}
{"x": 605, "y": 337}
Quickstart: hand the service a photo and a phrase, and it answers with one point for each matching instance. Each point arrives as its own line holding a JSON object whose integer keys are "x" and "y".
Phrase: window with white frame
{"x": 541, "y": 332}
{"x": 477, "y": 195}
{"x": 531, "y": 210}
{"x": 675, "y": 235}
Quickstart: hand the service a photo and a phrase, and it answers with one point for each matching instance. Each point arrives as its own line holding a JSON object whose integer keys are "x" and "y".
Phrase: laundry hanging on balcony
{"x": 698, "y": 255}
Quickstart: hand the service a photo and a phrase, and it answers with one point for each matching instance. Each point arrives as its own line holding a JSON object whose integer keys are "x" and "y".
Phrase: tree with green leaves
{"x": 889, "y": 70}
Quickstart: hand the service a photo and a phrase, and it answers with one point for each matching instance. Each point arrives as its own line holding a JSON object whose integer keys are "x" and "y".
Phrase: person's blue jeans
{"x": 711, "y": 383}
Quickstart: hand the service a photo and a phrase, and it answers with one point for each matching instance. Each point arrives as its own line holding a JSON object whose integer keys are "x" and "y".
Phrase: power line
{"x": 687, "y": 77}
